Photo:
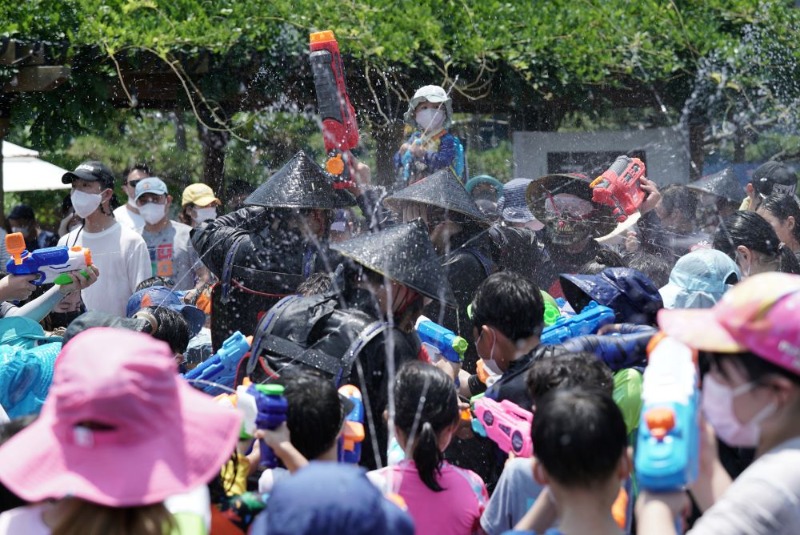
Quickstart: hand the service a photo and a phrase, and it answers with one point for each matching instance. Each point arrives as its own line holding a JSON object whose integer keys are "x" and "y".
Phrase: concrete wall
{"x": 665, "y": 152}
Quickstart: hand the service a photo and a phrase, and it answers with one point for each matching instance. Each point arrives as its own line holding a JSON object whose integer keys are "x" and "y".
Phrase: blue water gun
{"x": 618, "y": 351}
{"x": 440, "y": 342}
{"x": 52, "y": 264}
{"x": 220, "y": 368}
{"x": 271, "y": 408}
{"x": 590, "y": 319}
{"x": 668, "y": 440}
{"x": 353, "y": 432}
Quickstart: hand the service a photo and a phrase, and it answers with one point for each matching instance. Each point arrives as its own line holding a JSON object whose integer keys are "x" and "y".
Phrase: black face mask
{"x": 63, "y": 319}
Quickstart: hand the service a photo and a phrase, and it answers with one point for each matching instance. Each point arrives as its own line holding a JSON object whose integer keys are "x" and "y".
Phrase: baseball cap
{"x": 512, "y": 205}
{"x": 150, "y": 185}
{"x": 198, "y": 194}
{"x": 91, "y": 171}
{"x": 759, "y": 315}
{"x": 158, "y": 296}
{"x": 21, "y": 211}
{"x": 774, "y": 177}
{"x": 699, "y": 279}
{"x": 332, "y": 498}
{"x": 154, "y": 436}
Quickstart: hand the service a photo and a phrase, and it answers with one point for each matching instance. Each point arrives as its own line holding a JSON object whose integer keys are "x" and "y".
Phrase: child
{"x": 431, "y": 147}
{"x": 441, "y": 498}
{"x": 581, "y": 454}
{"x": 751, "y": 397}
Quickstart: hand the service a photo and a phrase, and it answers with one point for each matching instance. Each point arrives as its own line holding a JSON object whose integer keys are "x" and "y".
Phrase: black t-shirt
{"x": 511, "y": 385}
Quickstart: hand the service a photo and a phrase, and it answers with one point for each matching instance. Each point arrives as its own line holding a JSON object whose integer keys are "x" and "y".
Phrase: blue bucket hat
{"x": 157, "y": 296}
{"x": 23, "y": 332}
{"x": 512, "y": 205}
{"x": 25, "y": 377}
{"x": 699, "y": 279}
{"x": 628, "y": 292}
{"x": 329, "y": 498}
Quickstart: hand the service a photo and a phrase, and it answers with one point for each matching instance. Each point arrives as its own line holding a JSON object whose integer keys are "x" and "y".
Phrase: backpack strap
{"x": 264, "y": 329}
{"x": 487, "y": 263}
{"x": 227, "y": 270}
{"x": 367, "y": 334}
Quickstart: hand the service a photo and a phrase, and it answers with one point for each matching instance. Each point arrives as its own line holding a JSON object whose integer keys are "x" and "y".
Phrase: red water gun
{"x": 339, "y": 126}
{"x": 619, "y": 187}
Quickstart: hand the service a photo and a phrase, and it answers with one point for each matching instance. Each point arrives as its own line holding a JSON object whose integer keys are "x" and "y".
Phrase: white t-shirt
{"x": 764, "y": 499}
{"x": 126, "y": 218}
{"x": 27, "y": 520}
{"x": 121, "y": 256}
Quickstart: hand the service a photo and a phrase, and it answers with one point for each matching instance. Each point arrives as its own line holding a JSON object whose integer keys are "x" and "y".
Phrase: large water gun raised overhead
{"x": 339, "y": 126}
{"x": 668, "y": 440}
{"x": 52, "y": 264}
{"x": 619, "y": 186}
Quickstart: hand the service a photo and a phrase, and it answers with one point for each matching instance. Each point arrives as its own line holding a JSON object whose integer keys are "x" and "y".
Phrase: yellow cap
{"x": 198, "y": 194}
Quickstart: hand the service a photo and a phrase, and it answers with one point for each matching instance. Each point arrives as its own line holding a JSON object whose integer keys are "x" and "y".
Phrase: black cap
{"x": 603, "y": 220}
{"x": 301, "y": 183}
{"x": 722, "y": 184}
{"x": 21, "y": 211}
{"x": 404, "y": 254}
{"x": 774, "y": 177}
{"x": 441, "y": 189}
{"x": 91, "y": 171}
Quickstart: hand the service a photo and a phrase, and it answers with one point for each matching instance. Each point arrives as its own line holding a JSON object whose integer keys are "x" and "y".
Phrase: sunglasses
{"x": 132, "y": 183}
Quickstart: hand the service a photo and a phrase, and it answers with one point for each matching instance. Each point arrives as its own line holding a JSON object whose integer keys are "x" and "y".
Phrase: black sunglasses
{"x": 132, "y": 183}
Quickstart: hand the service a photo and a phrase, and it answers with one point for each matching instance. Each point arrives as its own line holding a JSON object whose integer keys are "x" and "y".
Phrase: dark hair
{"x": 655, "y": 266}
{"x": 754, "y": 232}
{"x": 155, "y": 281}
{"x": 239, "y": 187}
{"x": 315, "y": 412}
{"x": 756, "y": 368}
{"x": 605, "y": 258}
{"x": 426, "y": 403}
{"x": 316, "y": 284}
{"x": 782, "y": 206}
{"x": 579, "y": 436}
{"x": 172, "y": 328}
{"x": 509, "y": 303}
{"x": 143, "y": 167}
{"x": 679, "y": 197}
{"x": 568, "y": 370}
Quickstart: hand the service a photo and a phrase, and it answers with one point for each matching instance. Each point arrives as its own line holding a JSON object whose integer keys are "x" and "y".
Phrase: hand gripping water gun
{"x": 668, "y": 440}
{"x": 52, "y": 264}
{"x": 218, "y": 373}
{"x": 505, "y": 423}
{"x": 353, "y": 434}
{"x": 440, "y": 342}
{"x": 590, "y": 319}
{"x": 339, "y": 126}
{"x": 619, "y": 187}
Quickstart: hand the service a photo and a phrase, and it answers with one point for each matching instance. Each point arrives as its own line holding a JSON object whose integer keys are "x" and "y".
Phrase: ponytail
{"x": 428, "y": 458}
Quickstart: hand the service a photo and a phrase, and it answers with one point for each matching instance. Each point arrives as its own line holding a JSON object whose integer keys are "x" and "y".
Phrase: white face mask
{"x": 204, "y": 214}
{"x": 429, "y": 119}
{"x": 152, "y": 213}
{"x": 132, "y": 203}
{"x": 22, "y": 230}
{"x": 717, "y": 401}
{"x": 84, "y": 203}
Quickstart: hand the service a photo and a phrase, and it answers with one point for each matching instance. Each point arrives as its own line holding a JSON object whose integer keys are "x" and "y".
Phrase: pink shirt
{"x": 454, "y": 511}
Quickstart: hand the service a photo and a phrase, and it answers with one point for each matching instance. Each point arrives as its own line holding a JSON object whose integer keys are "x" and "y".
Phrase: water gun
{"x": 52, "y": 264}
{"x": 353, "y": 433}
{"x": 619, "y": 186}
{"x": 505, "y": 423}
{"x": 218, "y": 373}
{"x": 440, "y": 342}
{"x": 668, "y": 440}
{"x": 339, "y": 126}
{"x": 588, "y": 321}
{"x": 618, "y": 351}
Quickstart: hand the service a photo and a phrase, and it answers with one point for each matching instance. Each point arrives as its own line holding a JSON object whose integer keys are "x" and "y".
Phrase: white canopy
{"x": 24, "y": 171}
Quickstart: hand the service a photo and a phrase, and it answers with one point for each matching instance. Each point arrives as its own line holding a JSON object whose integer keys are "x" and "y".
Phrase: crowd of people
{"x": 102, "y": 433}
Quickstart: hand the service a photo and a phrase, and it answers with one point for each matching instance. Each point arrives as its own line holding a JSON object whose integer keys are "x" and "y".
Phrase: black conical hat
{"x": 441, "y": 189}
{"x": 404, "y": 254}
{"x": 540, "y": 189}
{"x": 301, "y": 183}
{"x": 722, "y": 184}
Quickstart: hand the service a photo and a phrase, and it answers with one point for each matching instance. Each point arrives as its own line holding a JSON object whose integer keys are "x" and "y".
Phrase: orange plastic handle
{"x": 15, "y": 245}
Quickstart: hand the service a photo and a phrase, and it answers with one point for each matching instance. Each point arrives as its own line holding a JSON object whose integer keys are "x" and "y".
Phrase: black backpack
{"x": 313, "y": 332}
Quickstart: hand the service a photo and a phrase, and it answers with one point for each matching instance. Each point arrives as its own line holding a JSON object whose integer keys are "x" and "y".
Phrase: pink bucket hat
{"x": 119, "y": 427}
{"x": 760, "y": 315}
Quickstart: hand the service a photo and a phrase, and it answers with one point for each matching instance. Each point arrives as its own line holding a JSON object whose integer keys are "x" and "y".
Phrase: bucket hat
{"x": 430, "y": 93}
{"x": 151, "y": 434}
{"x": 628, "y": 292}
{"x": 544, "y": 188}
{"x": 301, "y": 183}
{"x": 699, "y": 279}
{"x": 513, "y": 206}
{"x": 441, "y": 189}
{"x": 25, "y": 377}
{"x": 404, "y": 254}
{"x": 759, "y": 315}
{"x": 161, "y": 296}
{"x": 722, "y": 184}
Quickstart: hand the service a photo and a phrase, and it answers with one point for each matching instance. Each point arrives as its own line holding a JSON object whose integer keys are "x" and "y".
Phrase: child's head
{"x": 580, "y": 442}
{"x": 570, "y": 370}
{"x": 315, "y": 414}
{"x": 426, "y": 414}
{"x": 438, "y": 104}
